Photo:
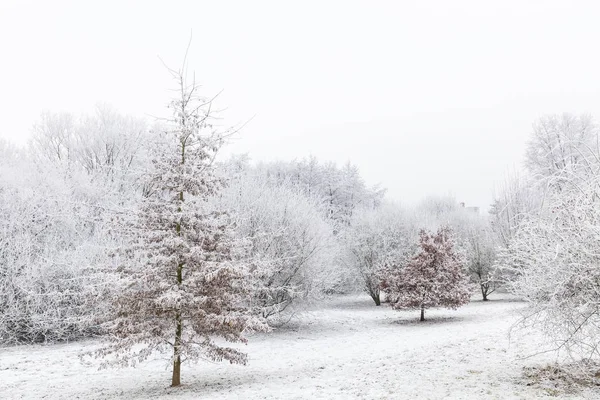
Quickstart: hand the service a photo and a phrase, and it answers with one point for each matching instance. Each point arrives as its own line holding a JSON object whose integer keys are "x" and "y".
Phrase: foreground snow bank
{"x": 347, "y": 349}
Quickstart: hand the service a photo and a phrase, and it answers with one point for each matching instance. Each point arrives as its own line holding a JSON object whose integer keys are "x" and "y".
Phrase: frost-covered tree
{"x": 110, "y": 147}
{"x": 339, "y": 191}
{"x": 433, "y": 278}
{"x": 480, "y": 251}
{"x": 553, "y": 260}
{"x": 50, "y": 241}
{"x": 516, "y": 198}
{"x": 561, "y": 148}
{"x": 291, "y": 246}
{"x": 476, "y": 243}
{"x": 184, "y": 285}
{"x": 374, "y": 239}
{"x": 53, "y": 136}
{"x": 55, "y": 233}
{"x": 551, "y": 256}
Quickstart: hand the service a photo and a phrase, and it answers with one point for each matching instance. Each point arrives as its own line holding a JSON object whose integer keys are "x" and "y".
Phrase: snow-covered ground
{"x": 347, "y": 349}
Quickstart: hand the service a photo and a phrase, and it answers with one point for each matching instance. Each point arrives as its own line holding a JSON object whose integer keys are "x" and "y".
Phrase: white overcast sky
{"x": 426, "y": 97}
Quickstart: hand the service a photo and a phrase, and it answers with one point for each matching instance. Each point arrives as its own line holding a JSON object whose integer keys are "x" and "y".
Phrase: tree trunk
{"x": 375, "y": 295}
{"x": 484, "y": 292}
{"x": 376, "y": 299}
{"x": 423, "y": 312}
{"x": 176, "y": 380}
{"x": 374, "y": 292}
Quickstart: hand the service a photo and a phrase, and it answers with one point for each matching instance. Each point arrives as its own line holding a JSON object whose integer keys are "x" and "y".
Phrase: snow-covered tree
{"x": 110, "y": 147}
{"x": 340, "y": 191}
{"x": 553, "y": 260}
{"x": 184, "y": 283}
{"x": 53, "y": 136}
{"x": 516, "y": 198}
{"x": 58, "y": 197}
{"x": 480, "y": 251}
{"x": 550, "y": 256}
{"x": 373, "y": 240}
{"x": 433, "y": 278}
{"x": 562, "y": 148}
{"x": 291, "y": 246}
{"x": 50, "y": 241}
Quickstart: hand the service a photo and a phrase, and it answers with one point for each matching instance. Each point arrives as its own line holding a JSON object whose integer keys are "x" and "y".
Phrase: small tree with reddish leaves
{"x": 433, "y": 278}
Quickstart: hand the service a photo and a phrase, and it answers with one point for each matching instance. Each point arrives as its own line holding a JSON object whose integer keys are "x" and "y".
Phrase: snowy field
{"x": 348, "y": 349}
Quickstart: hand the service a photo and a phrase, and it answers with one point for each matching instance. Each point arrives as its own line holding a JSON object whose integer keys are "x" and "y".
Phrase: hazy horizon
{"x": 426, "y": 98}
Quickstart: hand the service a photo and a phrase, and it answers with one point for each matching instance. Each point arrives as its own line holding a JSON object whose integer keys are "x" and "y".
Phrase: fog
{"x": 425, "y": 97}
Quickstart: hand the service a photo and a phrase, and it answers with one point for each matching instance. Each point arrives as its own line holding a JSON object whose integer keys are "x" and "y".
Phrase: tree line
{"x": 136, "y": 231}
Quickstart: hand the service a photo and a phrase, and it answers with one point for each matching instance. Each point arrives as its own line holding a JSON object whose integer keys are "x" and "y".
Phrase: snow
{"x": 346, "y": 349}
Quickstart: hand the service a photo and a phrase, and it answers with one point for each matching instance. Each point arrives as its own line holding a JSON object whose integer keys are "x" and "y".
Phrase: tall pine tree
{"x": 184, "y": 286}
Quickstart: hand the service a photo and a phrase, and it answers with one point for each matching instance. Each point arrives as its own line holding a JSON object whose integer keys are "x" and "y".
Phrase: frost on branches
{"x": 554, "y": 260}
{"x": 433, "y": 278}
{"x": 374, "y": 238}
{"x": 291, "y": 246}
{"x": 184, "y": 285}
{"x": 51, "y": 237}
{"x": 479, "y": 245}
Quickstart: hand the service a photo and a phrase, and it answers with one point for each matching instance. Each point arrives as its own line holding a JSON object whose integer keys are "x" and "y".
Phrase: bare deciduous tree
{"x": 374, "y": 239}
{"x": 553, "y": 260}
{"x": 291, "y": 245}
{"x": 562, "y": 147}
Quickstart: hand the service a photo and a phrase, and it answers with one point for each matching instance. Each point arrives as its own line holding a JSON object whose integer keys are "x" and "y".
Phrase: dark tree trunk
{"x": 176, "y": 380}
{"x": 484, "y": 292}
{"x": 376, "y": 298}
{"x": 422, "y": 312}
{"x": 374, "y": 292}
